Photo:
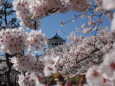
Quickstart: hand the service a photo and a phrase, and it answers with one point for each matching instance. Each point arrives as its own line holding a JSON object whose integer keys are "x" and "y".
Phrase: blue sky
{"x": 51, "y": 24}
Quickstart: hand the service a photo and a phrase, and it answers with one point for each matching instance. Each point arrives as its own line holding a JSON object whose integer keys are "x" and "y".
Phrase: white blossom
{"x": 113, "y": 22}
{"x": 109, "y": 4}
{"x": 29, "y": 11}
{"x": 50, "y": 63}
{"x": 104, "y": 74}
{"x": 36, "y": 40}
{"x": 27, "y": 63}
{"x": 13, "y": 40}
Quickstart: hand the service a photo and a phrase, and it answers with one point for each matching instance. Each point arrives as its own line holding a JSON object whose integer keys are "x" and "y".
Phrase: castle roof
{"x": 57, "y": 37}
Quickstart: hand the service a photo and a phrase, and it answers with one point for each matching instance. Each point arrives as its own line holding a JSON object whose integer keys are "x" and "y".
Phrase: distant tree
{"x": 7, "y": 15}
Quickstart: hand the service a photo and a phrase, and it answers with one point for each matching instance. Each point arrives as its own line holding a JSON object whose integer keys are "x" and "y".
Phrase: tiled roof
{"x": 56, "y": 37}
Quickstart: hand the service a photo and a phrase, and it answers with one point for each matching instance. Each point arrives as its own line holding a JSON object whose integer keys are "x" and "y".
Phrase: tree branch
{"x": 88, "y": 55}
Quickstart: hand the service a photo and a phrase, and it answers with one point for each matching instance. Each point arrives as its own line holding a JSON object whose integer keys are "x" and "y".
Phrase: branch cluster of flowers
{"x": 28, "y": 11}
{"x": 36, "y": 40}
{"x": 104, "y": 74}
{"x": 82, "y": 53}
{"x": 108, "y": 5}
{"x": 27, "y": 63}
{"x": 29, "y": 80}
{"x": 16, "y": 40}
{"x": 13, "y": 40}
{"x": 94, "y": 14}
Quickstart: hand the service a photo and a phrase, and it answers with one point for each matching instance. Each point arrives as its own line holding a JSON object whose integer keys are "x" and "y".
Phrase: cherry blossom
{"x": 24, "y": 15}
{"x": 90, "y": 48}
{"x": 104, "y": 74}
{"x": 113, "y": 22}
{"x": 29, "y": 11}
{"x": 29, "y": 80}
{"x": 108, "y": 65}
{"x": 109, "y": 4}
{"x": 27, "y": 63}
{"x": 98, "y": 2}
{"x": 77, "y": 5}
{"x": 13, "y": 40}
{"x": 50, "y": 63}
{"x": 36, "y": 40}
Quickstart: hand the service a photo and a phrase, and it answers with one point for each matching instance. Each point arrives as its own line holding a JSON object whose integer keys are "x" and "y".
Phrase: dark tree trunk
{"x": 9, "y": 69}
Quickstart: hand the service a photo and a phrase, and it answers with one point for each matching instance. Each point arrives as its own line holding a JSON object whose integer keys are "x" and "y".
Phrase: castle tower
{"x": 55, "y": 41}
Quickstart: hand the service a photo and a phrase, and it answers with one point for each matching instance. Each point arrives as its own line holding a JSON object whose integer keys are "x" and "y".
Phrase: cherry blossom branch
{"x": 89, "y": 56}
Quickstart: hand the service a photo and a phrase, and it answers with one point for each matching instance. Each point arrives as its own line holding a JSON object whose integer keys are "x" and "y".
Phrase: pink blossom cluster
{"x": 101, "y": 5}
{"x": 16, "y": 40}
{"x": 50, "y": 63}
{"x": 113, "y": 22}
{"x": 36, "y": 40}
{"x": 98, "y": 2}
{"x": 27, "y": 63}
{"x": 13, "y": 40}
{"x": 92, "y": 48}
{"x": 29, "y": 80}
{"x": 104, "y": 74}
{"x": 35, "y": 70}
{"x": 28, "y": 11}
{"x": 24, "y": 14}
{"x": 94, "y": 13}
{"x": 110, "y": 5}
{"x": 76, "y": 5}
